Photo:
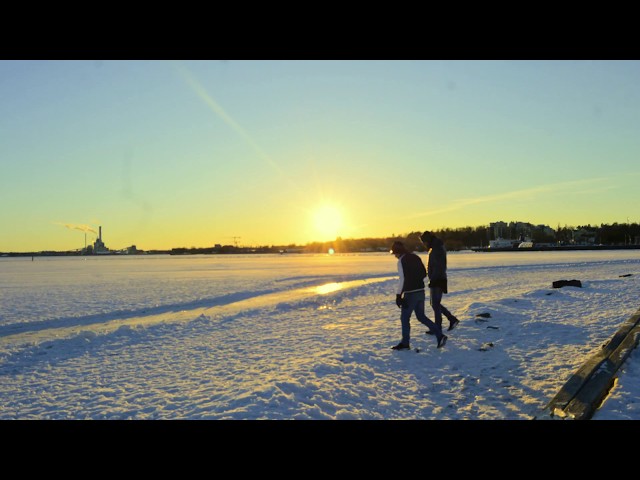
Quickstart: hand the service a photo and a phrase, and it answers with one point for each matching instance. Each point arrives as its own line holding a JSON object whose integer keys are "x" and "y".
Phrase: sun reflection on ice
{"x": 328, "y": 288}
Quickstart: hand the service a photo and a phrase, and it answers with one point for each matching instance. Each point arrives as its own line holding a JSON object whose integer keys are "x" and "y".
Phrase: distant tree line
{"x": 455, "y": 239}
{"x": 466, "y": 237}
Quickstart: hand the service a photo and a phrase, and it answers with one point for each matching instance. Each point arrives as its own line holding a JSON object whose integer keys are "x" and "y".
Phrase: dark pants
{"x": 438, "y": 308}
{"x": 414, "y": 302}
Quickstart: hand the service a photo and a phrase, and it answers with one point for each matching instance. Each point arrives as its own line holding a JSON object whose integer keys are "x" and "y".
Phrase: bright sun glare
{"x": 327, "y": 221}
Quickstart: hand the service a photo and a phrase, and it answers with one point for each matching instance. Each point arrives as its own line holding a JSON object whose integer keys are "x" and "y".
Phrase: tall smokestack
{"x": 100, "y": 235}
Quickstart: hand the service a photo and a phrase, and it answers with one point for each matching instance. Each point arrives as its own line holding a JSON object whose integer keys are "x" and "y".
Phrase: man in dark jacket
{"x": 437, "y": 273}
{"x": 412, "y": 273}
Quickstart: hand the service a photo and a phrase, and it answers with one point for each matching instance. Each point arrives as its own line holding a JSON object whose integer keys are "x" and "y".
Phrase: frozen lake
{"x": 75, "y": 287}
{"x": 297, "y": 336}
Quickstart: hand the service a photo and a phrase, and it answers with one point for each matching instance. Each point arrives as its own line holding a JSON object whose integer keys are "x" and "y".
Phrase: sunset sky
{"x": 166, "y": 154}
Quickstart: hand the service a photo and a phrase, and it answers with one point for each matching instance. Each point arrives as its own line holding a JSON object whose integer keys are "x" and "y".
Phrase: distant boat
{"x": 503, "y": 243}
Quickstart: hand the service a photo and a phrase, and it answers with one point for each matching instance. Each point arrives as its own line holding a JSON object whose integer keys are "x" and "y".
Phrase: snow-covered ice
{"x": 304, "y": 336}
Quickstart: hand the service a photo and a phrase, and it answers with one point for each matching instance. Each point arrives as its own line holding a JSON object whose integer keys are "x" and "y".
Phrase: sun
{"x": 327, "y": 221}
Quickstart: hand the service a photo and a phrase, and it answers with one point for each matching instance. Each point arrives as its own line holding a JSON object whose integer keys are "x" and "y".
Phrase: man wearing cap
{"x": 437, "y": 273}
{"x": 410, "y": 295}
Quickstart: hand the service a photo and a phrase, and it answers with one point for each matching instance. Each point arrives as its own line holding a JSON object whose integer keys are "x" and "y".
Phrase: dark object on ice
{"x": 626, "y": 275}
{"x": 567, "y": 283}
{"x": 483, "y": 315}
{"x": 401, "y": 346}
{"x": 495, "y": 328}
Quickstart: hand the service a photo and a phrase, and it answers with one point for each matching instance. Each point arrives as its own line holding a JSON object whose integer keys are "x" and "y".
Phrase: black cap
{"x": 398, "y": 247}
{"x": 426, "y": 236}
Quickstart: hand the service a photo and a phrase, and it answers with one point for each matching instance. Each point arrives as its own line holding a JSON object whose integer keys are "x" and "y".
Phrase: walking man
{"x": 437, "y": 273}
{"x": 410, "y": 295}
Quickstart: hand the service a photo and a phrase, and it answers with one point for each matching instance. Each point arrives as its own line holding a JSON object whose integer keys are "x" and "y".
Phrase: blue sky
{"x": 166, "y": 154}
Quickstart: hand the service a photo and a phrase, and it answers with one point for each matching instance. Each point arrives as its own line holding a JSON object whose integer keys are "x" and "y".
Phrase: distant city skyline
{"x": 165, "y": 154}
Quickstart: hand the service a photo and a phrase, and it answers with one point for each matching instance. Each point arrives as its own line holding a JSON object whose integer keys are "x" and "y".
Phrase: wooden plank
{"x": 586, "y": 389}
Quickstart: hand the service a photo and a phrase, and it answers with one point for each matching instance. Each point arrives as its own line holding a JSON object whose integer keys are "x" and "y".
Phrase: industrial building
{"x": 99, "y": 247}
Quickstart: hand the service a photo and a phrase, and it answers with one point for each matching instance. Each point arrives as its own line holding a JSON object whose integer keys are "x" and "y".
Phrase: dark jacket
{"x": 437, "y": 265}
{"x": 412, "y": 273}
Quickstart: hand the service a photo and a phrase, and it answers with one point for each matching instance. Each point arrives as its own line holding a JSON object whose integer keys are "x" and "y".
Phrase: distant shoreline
{"x": 547, "y": 248}
{"x": 556, "y": 248}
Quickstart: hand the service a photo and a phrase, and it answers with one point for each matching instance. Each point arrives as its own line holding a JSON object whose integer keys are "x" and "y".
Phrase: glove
{"x": 399, "y": 301}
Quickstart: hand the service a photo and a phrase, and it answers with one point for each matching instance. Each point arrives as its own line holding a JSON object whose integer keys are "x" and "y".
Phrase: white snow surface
{"x": 300, "y": 336}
